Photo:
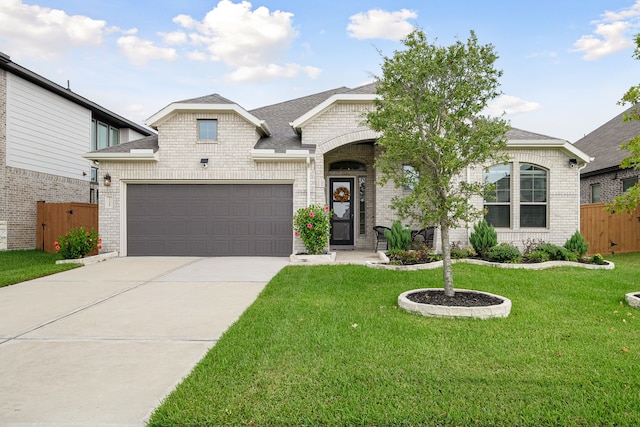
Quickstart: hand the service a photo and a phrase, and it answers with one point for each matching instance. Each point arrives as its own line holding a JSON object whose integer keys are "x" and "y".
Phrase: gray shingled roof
{"x": 515, "y": 134}
{"x": 604, "y": 143}
{"x": 278, "y": 117}
{"x": 214, "y": 98}
{"x": 143, "y": 143}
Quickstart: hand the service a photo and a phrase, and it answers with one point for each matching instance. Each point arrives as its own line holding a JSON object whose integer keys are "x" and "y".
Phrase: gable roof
{"x": 213, "y": 102}
{"x": 604, "y": 143}
{"x": 98, "y": 111}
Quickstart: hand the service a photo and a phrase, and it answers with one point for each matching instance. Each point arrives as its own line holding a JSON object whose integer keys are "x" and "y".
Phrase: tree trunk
{"x": 447, "y": 270}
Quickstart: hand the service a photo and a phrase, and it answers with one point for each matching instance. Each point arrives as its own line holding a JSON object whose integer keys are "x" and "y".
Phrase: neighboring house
{"x": 44, "y": 131}
{"x": 219, "y": 180}
{"x": 602, "y": 179}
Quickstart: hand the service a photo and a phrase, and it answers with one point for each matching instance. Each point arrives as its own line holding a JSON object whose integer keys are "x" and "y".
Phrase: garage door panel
{"x": 209, "y": 220}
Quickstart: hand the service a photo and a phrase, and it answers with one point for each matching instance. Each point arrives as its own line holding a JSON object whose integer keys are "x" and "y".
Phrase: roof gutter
{"x": 134, "y": 155}
{"x": 270, "y": 155}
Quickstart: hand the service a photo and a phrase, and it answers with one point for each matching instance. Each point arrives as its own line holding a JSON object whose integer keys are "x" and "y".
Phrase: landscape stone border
{"x": 313, "y": 259}
{"x": 633, "y": 300}
{"x": 90, "y": 259}
{"x": 384, "y": 263}
{"x": 432, "y": 310}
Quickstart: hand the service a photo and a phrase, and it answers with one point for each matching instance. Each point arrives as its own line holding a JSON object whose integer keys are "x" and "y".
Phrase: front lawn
{"x": 19, "y": 266}
{"x": 327, "y": 346}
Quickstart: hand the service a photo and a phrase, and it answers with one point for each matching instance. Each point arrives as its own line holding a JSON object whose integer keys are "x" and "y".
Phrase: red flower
{"x": 57, "y": 247}
{"x": 311, "y": 214}
{"x": 297, "y": 234}
{"x": 99, "y": 239}
{"x": 326, "y": 208}
{"x": 309, "y": 226}
{"x": 99, "y": 246}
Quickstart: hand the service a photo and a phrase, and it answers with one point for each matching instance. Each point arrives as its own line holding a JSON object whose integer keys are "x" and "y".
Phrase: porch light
{"x": 107, "y": 180}
{"x": 573, "y": 163}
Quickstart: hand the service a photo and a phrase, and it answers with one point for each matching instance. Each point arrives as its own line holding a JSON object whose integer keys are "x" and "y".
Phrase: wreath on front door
{"x": 341, "y": 194}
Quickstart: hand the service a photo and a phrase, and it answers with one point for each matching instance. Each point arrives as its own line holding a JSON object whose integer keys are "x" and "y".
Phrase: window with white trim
{"x": 497, "y": 200}
{"x": 533, "y": 196}
{"x": 207, "y": 130}
{"x": 103, "y": 135}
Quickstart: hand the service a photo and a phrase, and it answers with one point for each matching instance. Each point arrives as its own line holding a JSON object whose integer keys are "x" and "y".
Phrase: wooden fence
{"x": 609, "y": 233}
{"x": 56, "y": 219}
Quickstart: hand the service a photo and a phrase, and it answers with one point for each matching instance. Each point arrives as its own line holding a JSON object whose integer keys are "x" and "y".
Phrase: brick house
{"x": 44, "y": 131}
{"x": 603, "y": 179}
{"x": 220, "y": 180}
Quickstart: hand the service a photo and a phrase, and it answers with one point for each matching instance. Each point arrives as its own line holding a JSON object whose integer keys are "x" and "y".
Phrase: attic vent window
{"x": 207, "y": 130}
{"x": 347, "y": 165}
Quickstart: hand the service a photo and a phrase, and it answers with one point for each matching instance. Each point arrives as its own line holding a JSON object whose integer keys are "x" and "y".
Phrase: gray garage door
{"x": 209, "y": 220}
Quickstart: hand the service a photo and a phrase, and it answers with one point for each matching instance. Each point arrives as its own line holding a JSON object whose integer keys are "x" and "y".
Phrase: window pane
{"x": 208, "y": 129}
{"x": 93, "y": 135}
{"x": 628, "y": 183}
{"x": 500, "y": 177}
{"x": 595, "y": 193}
{"x": 533, "y": 215}
{"x": 114, "y": 137}
{"x": 498, "y": 215}
{"x": 103, "y": 136}
{"x": 411, "y": 177}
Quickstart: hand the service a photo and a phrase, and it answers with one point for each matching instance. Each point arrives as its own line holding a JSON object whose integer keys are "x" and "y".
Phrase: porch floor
{"x": 349, "y": 256}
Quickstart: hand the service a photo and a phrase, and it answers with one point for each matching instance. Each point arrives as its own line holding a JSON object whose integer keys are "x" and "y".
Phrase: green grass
{"x": 328, "y": 346}
{"x": 18, "y": 266}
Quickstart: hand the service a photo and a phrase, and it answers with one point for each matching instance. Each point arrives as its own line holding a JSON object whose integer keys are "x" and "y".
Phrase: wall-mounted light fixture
{"x": 573, "y": 163}
{"x": 107, "y": 180}
{"x": 204, "y": 162}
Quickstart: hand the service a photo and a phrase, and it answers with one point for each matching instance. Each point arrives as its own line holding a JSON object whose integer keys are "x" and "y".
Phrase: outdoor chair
{"x": 380, "y": 238}
{"x": 426, "y": 235}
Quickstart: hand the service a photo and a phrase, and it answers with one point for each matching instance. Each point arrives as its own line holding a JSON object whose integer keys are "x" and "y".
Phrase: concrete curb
{"x": 90, "y": 259}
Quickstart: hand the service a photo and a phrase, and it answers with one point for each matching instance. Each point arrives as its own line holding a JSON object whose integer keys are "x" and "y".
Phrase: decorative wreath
{"x": 341, "y": 194}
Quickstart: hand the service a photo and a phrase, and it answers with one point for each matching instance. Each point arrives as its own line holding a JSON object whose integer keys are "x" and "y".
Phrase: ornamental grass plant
{"x": 328, "y": 346}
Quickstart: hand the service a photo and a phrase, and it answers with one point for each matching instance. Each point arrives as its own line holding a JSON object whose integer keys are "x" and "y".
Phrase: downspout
{"x": 580, "y": 191}
{"x": 308, "y": 181}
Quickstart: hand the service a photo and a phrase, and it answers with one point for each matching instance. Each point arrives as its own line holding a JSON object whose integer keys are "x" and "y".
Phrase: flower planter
{"x": 313, "y": 259}
{"x": 89, "y": 260}
{"x": 432, "y": 310}
{"x": 633, "y": 299}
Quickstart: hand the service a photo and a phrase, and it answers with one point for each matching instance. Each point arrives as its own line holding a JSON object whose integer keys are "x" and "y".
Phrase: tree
{"x": 629, "y": 201}
{"x": 429, "y": 117}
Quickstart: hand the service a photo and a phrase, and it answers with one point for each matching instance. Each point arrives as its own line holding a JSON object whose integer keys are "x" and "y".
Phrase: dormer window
{"x": 207, "y": 130}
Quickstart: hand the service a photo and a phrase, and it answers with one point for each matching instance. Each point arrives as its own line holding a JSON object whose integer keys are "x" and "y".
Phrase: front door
{"x": 341, "y": 197}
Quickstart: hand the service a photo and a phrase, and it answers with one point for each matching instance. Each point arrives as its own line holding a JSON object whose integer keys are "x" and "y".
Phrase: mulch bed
{"x": 460, "y": 299}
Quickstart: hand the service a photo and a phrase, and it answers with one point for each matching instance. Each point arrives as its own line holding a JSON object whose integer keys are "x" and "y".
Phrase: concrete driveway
{"x": 103, "y": 344}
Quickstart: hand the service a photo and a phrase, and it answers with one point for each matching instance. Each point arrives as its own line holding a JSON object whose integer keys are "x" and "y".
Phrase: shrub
{"x": 557, "y": 253}
{"x": 504, "y": 253}
{"x": 538, "y": 256}
{"x": 531, "y": 245}
{"x": 77, "y": 243}
{"x": 312, "y": 226}
{"x": 404, "y": 257}
{"x": 597, "y": 259}
{"x": 458, "y": 252}
{"x": 483, "y": 237}
{"x": 398, "y": 237}
{"x": 577, "y": 244}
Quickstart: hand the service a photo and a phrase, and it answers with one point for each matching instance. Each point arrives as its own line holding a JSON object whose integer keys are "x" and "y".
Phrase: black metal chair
{"x": 380, "y": 238}
{"x": 426, "y": 234}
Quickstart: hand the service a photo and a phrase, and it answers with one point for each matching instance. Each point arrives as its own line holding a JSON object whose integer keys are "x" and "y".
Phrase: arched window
{"x": 533, "y": 196}
{"x": 347, "y": 165}
{"x": 497, "y": 200}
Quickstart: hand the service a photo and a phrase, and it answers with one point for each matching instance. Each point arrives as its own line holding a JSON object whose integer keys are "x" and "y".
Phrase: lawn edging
{"x": 384, "y": 263}
{"x": 90, "y": 259}
{"x": 432, "y": 310}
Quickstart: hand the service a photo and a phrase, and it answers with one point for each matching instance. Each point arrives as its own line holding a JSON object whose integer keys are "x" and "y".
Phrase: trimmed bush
{"x": 403, "y": 257}
{"x": 458, "y": 252}
{"x": 577, "y": 244}
{"x": 597, "y": 259}
{"x": 398, "y": 237}
{"x": 538, "y": 256}
{"x": 483, "y": 237}
{"x": 557, "y": 253}
{"x": 77, "y": 243}
{"x": 504, "y": 253}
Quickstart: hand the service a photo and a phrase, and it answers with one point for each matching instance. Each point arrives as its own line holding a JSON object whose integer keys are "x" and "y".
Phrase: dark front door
{"x": 341, "y": 197}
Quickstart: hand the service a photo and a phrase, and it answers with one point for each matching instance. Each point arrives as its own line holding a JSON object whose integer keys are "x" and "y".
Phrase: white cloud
{"x": 44, "y": 33}
{"x": 612, "y": 33}
{"x": 174, "y": 38}
{"x": 381, "y": 24}
{"x": 271, "y": 71}
{"x": 140, "y": 51}
{"x": 509, "y": 105}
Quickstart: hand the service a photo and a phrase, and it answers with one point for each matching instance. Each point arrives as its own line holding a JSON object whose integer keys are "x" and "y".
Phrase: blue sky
{"x": 566, "y": 62}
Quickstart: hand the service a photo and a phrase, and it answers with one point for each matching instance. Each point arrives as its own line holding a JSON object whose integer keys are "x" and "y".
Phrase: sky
{"x": 566, "y": 63}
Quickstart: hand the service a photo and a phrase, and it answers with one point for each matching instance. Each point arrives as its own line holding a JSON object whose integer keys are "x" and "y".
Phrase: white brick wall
{"x": 335, "y": 133}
